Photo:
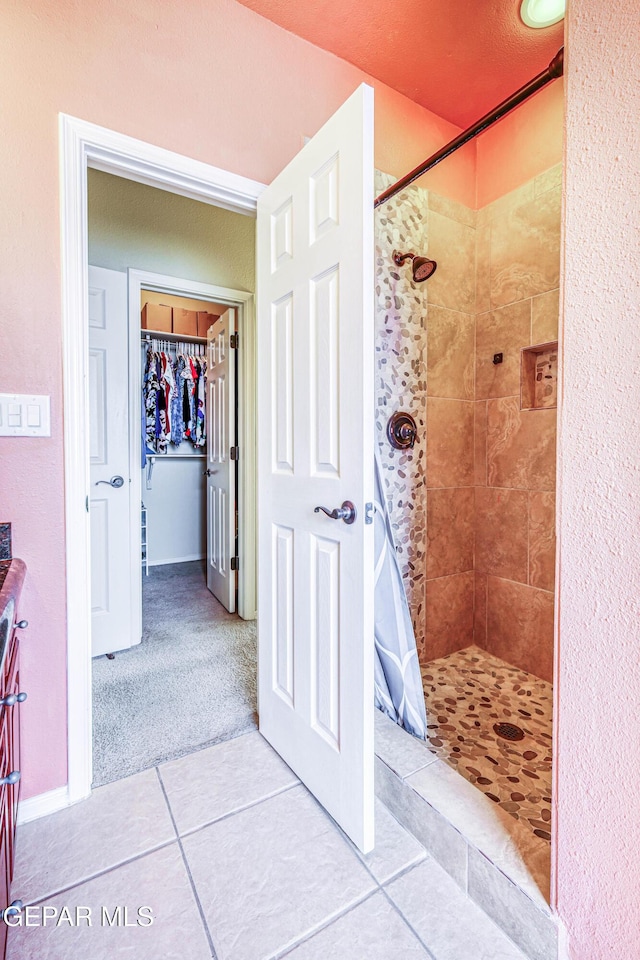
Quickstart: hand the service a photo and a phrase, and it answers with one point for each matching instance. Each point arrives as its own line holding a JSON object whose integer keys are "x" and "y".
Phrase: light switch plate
{"x": 24, "y": 415}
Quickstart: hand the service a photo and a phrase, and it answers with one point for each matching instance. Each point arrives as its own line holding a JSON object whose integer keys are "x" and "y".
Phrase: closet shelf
{"x": 171, "y": 337}
{"x": 176, "y": 456}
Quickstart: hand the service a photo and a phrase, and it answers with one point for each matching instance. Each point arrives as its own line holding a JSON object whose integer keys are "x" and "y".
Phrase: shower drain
{"x": 508, "y": 731}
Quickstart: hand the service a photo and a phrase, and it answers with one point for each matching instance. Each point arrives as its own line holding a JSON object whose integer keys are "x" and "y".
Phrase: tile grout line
{"x": 397, "y": 909}
{"x": 101, "y": 873}
{"x": 286, "y": 951}
{"x": 247, "y": 806}
{"x": 379, "y": 888}
{"x": 214, "y": 955}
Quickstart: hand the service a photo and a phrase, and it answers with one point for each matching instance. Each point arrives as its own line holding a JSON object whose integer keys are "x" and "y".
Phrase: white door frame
{"x": 246, "y": 400}
{"x": 84, "y": 144}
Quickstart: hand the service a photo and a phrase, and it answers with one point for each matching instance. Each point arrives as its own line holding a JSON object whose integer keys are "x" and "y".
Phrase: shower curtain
{"x": 397, "y": 679}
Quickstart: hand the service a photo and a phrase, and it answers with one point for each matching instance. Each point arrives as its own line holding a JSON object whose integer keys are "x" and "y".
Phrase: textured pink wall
{"x": 522, "y": 145}
{"x": 598, "y": 669}
{"x": 210, "y": 79}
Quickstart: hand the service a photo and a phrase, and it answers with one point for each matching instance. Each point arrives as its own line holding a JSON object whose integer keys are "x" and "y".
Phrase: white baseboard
{"x": 43, "y": 804}
{"x": 161, "y": 563}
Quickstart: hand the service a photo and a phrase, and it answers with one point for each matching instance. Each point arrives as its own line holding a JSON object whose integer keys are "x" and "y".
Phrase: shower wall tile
{"x": 450, "y": 345}
{"x": 480, "y": 442}
{"x": 483, "y": 268}
{"x": 502, "y": 533}
{"x": 450, "y": 446}
{"x": 453, "y": 246}
{"x": 505, "y": 205}
{"x": 449, "y": 606}
{"x": 548, "y": 180}
{"x": 503, "y": 331}
{"x": 525, "y": 249}
{"x": 521, "y": 446}
{"x": 517, "y": 304}
{"x": 480, "y": 610}
{"x": 450, "y": 533}
{"x": 452, "y": 209}
{"x": 520, "y": 626}
{"x": 542, "y": 540}
{"x": 545, "y": 311}
{"x": 400, "y": 343}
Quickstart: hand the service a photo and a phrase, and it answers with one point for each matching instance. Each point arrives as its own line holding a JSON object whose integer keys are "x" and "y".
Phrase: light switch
{"x": 15, "y": 415}
{"x": 33, "y": 415}
{"x": 24, "y": 415}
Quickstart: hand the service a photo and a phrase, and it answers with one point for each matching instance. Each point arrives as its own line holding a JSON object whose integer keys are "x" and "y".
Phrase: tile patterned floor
{"x": 466, "y": 693}
{"x": 237, "y": 871}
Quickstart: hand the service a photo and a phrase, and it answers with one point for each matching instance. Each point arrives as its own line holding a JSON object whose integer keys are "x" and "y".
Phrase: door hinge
{"x": 234, "y": 453}
{"x": 234, "y": 341}
{"x": 235, "y": 563}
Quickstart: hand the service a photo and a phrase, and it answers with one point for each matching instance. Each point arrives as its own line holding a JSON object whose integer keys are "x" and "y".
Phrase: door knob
{"x": 11, "y": 778}
{"x": 346, "y": 512}
{"x": 22, "y": 624}
{"x": 12, "y": 698}
{"x": 116, "y": 482}
{"x": 209, "y": 473}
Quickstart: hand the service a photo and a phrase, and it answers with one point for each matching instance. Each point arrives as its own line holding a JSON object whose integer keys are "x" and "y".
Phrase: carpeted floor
{"x": 191, "y": 681}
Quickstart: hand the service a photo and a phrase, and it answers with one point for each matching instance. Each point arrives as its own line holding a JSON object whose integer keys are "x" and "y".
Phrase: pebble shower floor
{"x": 466, "y": 694}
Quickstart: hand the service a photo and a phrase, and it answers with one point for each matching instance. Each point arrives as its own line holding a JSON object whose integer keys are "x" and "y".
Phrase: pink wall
{"x": 212, "y": 80}
{"x": 598, "y": 668}
{"x": 522, "y": 145}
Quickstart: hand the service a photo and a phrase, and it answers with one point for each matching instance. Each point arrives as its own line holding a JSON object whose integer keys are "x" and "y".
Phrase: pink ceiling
{"x": 458, "y": 58}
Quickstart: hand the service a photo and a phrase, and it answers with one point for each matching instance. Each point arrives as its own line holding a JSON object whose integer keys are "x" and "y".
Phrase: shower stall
{"x": 471, "y": 357}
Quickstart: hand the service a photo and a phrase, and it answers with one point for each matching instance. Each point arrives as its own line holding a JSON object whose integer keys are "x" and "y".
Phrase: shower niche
{"x": 539, "y": 377}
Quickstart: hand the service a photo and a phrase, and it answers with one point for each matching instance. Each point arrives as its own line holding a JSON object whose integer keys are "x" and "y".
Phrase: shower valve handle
{"x": 346, "y": 512}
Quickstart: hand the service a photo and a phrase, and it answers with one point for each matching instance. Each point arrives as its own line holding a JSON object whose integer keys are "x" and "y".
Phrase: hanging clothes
{"x": 174, "y": 400}
{"x": 200, "y": 438}
{"x": 177, "y": 419}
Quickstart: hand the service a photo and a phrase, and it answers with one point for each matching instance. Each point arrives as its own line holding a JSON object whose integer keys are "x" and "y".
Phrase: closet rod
{"x": 172, "y": 337}
{"x": 176, "y": 456}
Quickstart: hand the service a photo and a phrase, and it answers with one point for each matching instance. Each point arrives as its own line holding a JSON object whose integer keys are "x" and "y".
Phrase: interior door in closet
{"x": 113, "y": 624}
{"x": 315, "y": 364}
{"x": 221, "y": 461}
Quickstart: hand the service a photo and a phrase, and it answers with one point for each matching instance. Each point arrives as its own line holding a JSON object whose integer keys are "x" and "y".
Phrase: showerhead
{"x": 422, "y": 267}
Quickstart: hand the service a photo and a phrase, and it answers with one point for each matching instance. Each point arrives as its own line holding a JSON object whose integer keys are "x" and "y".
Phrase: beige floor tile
{"x": 395, "y": 850}
{"x": 371, "y": 931}
{"x": 158, "y": 880}
{"x": 447, "y": 922}
{"x": 117, "y": 822}
{"x": 212, "y": 783}
{"x": 272, "y": 874}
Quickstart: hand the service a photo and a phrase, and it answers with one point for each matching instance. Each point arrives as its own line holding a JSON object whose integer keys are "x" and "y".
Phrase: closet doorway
{"x": 173, "y": 546}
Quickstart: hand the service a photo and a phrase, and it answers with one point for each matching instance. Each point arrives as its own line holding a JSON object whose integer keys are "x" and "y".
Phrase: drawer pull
{"x": 11, "y": 778}
{"x": 22, "y": 624}
{"x": 12, "y": 698}
{"x": 14, "y": 908}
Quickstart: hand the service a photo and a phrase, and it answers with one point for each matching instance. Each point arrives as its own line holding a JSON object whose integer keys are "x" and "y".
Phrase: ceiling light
{"x": 542, "y": 13}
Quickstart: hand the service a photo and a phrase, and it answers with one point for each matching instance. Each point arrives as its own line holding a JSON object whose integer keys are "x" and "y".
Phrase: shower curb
{"x": 530, "y": 926}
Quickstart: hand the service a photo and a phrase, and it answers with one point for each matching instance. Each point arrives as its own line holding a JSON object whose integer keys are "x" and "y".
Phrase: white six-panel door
{"x": 315, "y": 448}
{"x": 113, "y": 624}
{"x": 221, "y": 468}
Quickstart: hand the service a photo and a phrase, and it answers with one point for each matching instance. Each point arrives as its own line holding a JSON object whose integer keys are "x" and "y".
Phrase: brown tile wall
{"x": 517, "y": 263}
{"x": 472, "y": 505}
{"x": 450, "y": 581}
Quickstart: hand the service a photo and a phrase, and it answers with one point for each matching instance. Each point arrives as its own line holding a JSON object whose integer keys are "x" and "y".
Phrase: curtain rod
{"x": 552, "y": 72}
